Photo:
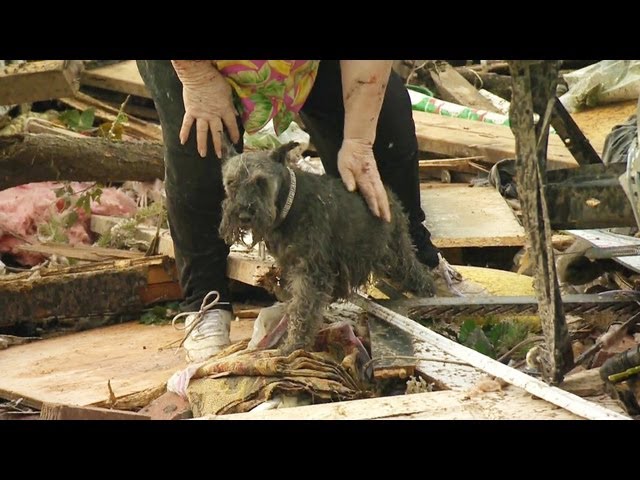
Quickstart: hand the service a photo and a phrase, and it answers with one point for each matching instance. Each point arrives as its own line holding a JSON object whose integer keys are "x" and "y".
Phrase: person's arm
{"x": 208, "y": 101}
{"x": 364, "y": 83}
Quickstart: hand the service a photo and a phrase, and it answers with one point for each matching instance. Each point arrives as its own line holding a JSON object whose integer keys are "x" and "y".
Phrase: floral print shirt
{"x": 269, "y": 89}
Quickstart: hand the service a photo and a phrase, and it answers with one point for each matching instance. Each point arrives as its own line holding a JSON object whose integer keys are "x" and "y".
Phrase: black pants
{"x": 194, "y": 187}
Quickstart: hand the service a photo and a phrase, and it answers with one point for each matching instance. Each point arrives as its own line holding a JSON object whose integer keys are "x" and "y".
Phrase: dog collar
{"x": 290, "y": 197}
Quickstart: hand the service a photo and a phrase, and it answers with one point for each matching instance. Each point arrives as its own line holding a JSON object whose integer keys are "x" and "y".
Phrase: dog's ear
{"x": 279, "y": 155}
{"x": 228, "y": 148}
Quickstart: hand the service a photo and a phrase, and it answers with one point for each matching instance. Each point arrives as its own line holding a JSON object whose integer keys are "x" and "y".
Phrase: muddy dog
{"x": 324, "y": 238}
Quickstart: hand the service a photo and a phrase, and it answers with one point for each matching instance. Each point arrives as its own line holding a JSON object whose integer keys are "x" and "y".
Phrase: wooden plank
{"x": 457, "y": 137}
{"x": 465, "y": 164}
{"x": 244, "y": 267}
{"x": 492, "y": 367}
{"x": 596, "y": 123}
{"x": 54, "y": 411}
{"x": 80, "y": 252}
{"x": 74, "y": 369}
{"x": 454, "y": 88}
{"x": 36, "y": 81}
{"x": 121, "y": 77}
{"x": 461, "y": 216}
{"x": 249, "y": 268}
{"x": 510, "y": 404}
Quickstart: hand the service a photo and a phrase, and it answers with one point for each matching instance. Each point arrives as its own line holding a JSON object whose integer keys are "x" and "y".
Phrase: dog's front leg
{"x": 310, "y": 295}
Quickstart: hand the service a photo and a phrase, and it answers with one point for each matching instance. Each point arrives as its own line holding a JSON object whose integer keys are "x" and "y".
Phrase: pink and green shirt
{"x": 269, "y": 89}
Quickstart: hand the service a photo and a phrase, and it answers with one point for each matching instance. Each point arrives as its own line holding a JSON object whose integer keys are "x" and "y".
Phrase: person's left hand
{"x": 358, "y": 169}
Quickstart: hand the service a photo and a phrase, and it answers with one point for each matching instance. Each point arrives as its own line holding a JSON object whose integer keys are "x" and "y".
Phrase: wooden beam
{"x": 121, "y": 77}
{"x": 54, "y": 411}
{"x": 89, "y": 253}
{"x": 36, "y": 81}
{"x": 464, "y": 164}
{"x": 494, "y": 368}
{"x": 458, "y": 137}
{"x": 26, "y": 158}
{"x": 454, "y": 88}
{"x": 511, "y": 404}
{"x": 108, "y": 288}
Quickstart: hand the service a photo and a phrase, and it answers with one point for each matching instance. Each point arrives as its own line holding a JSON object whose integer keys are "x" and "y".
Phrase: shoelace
{"x": 199, "y": 315}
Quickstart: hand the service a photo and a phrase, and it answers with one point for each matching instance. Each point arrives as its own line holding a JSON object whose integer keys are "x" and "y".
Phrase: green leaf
{"x": 70, "y": 219}
{"x": 84, "y": 202}
{"x": 60, "y": 192}
{"x": 480, "y": 343}
{"x": 95, "y": 194}
{"x": 466, "y": 328}
{"x": 71, "y": 118}
{"x": 85, "y": 122}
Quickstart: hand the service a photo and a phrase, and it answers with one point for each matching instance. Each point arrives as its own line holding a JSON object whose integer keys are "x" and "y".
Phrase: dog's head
{"x": 252, "y": 183}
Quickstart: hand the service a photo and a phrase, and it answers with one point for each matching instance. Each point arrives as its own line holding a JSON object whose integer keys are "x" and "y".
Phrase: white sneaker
{"x": 207, "y": 330}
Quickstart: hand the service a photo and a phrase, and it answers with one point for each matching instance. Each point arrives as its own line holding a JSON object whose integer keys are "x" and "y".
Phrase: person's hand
{"x": 358, "y": 169}
{"x": 208, "y": 102}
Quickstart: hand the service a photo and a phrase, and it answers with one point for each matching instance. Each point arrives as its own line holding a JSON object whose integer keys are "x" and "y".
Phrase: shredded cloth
{"x": 237, "y": 380}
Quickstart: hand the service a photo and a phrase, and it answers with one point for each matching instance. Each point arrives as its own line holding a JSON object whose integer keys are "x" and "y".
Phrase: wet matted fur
{"x": 327, "y": 246}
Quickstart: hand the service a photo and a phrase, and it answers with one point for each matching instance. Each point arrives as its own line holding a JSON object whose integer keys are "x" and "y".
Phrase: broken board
{"x": 602, "y": 239}
{"x": 512, "y": 403}
{"x": 461, "y": 216}
{"x": 246, "y": 267}
{"x": 458, "y": 137}
{"x": 74, "y": 369}
{"x": 453, "y": 87}
{"x": 120, "y": 77}
{"x": 36, "y": 81}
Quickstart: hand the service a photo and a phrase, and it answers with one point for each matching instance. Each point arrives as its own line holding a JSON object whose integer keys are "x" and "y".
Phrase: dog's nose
{"x": 244, "y": 217}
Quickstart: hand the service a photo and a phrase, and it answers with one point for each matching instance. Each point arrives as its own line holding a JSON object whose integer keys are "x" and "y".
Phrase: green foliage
{"x": 160, "y": 314}
{"x": 78, "y": 122}
{"x": 122, "y": 235}
{"x": 492, "y": 338}
{"x": 68, "y": 203}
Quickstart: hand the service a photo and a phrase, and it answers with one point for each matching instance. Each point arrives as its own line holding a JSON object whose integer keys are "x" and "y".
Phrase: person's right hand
{"x": 208, "y": 102}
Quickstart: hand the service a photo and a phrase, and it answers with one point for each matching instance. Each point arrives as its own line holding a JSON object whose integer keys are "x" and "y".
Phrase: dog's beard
{"x": 233, "y": 231}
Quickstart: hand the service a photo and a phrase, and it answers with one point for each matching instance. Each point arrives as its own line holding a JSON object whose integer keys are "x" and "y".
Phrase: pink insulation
{"x": 24, "y": 207}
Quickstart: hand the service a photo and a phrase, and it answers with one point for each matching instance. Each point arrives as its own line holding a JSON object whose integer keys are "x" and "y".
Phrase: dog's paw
{"x": 288, "y": 348}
